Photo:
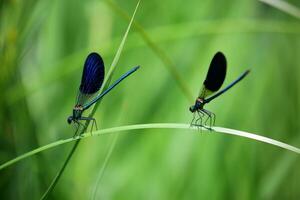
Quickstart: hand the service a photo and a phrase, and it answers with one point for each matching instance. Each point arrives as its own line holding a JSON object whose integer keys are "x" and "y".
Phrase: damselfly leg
{"x": 94, "y": 123}
{"x": 191, "y": 124}
{"x": 198, "y": 121}
{"x": 79, "y": 124}
{"x": 211, "y": 117}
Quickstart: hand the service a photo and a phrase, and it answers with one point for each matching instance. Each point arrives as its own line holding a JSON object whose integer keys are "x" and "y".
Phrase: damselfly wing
{"x": 92, "y": 78}
{"x": 215, "y": 76}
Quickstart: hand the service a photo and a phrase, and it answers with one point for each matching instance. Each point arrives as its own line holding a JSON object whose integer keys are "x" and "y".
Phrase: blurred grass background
{"x": 43, "y": 45}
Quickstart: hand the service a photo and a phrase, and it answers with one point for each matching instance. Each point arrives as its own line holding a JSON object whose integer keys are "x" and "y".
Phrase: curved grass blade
{"x": 284, "y": 7}
{"x": 195, "y": 130}
{"x": 104, "y": 86}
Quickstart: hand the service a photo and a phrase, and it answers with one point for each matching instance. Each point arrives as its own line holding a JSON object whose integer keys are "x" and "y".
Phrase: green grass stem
{"x": 194, "y": 130}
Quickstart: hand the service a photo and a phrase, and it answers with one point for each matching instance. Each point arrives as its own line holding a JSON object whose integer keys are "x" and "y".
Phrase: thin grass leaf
{"x": 273, "y": 179}
{"x": 116, "y": 59}
{"x": 168, "y": 63}
{"x": 194, "y": 130}
{"x": 120, "y": 49}
{"x": 283, "y": 6}
{"x": 104, "y": 165}
{"x": 110, "y": 73}
{"x": 105, "y": 85}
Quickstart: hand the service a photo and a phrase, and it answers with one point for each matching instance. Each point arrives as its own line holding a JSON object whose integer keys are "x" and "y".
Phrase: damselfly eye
{"x": 70, "y": 119}
{"x": 192, "y": 108}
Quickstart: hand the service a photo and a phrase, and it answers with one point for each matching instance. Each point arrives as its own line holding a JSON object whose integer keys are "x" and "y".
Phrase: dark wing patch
{"x": 216, "y": 72}
{"x": 92, "y": 75}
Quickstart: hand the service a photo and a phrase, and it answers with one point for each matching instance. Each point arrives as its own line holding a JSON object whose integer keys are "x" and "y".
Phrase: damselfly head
{"x": 199, "y": 103}
{"x": 70, "y": 119}
{"x": 77, "y": 112}
{"x": 192, "y": 109}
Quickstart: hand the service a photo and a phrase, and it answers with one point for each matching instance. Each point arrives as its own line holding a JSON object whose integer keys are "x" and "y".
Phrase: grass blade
{"x": 105, "y": 163}
{"x": 168, "y": 63}
{"x": 283, "y": 6}
{"x": 119, "y": 51}
{"x": 194, "y": 130}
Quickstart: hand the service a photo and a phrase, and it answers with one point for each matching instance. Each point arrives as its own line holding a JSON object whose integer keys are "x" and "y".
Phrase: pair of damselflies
{"x": 212, "y": 83}
{"x": 91, "y": 81}
{"x": 93, "y": 76}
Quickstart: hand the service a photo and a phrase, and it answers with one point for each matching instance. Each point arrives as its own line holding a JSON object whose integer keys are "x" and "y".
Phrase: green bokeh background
{"x": 43, "y": 45}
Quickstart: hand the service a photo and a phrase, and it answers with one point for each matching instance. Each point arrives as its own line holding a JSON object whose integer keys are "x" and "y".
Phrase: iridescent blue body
{"x": 213, "y": 82}
{"x": 91, "y": 81}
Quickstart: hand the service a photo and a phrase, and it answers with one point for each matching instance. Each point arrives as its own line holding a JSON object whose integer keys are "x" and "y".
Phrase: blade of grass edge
{"x": 105, "y": 163}
{"x": 155, "y": 126}
{"x": 111, "y": 70}
{"x": 168, "y": 63}
{"x": 117, "y": 56}
{"x": 106, "y": 83}
{"x": 284, "y": 7}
